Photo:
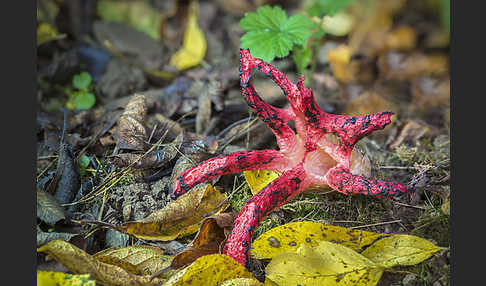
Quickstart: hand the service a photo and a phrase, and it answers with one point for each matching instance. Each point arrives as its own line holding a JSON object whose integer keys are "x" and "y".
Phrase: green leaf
{"x": 327, "y": 7}
{"x": 84, "y": 100}
{"x": 271, "y": 34}
{"x": 302, "y": 57}
{"x": 82, "y": 81}
{"x": 84, "y": 162}
{"x": 445, "y": 14}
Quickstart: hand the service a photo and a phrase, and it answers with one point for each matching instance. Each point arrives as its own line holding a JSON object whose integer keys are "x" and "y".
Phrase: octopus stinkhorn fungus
{"x": 304, "y": 160}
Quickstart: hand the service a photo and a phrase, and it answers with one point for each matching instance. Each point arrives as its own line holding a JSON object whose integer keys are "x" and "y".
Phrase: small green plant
{"x": 272, "y": 34}
{"x": 82, "y": 97}
{"x": 83, "y": 163}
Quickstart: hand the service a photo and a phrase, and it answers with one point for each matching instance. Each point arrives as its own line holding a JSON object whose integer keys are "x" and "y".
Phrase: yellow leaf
{"x": 400, "y": 249}
{"x": 326, "y": 264}
{"x": 180, "y": 217}
{"x": 338, "y": 25}
{"x": 46, "y": 33}
{"x": 48, "y": 278}
{"x": 194, "y": 45}
{"x": 138, "y": 259}
{"x": 138, "y": 14}
{"x": 339, "y": 55}
{"x": 288, "y": 238}
{"x": 258, "y": 179}
{"x": 80, "y": 262}
{"x": 211, "y": 269}
{"x": 242, "y": 282}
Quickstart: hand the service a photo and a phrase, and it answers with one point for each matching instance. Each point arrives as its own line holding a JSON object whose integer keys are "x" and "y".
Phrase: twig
{"x": 375, "y": 224}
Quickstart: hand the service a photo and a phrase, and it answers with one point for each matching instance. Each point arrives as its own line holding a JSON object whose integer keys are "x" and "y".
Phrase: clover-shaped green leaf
{"x": 82, "y": 81}
{"x": 272, "y": 34}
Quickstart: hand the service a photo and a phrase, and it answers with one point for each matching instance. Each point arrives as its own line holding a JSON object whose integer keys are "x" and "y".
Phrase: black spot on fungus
{"x": 292, "y": 243}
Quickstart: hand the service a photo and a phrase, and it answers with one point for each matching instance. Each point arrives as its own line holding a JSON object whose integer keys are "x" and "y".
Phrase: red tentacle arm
{"x": 343, "y": 181}
{"x": 248, "y": 62}
{"x": 228, "y": 164}
{"x": 275, "y": 194}
{"x": 351, "y": 129}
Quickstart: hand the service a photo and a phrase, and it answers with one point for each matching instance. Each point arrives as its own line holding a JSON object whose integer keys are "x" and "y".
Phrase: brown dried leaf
{"x": 138, "y": 259}
{"x": 401, "y": 66}
{"x": 131, "y": 133}
{"x": 369, "y": 102}
{"x": 67, "y": 180}
{"x": 45, "y": 237}
{"x": 409, "y": 130}
{"x": 48, "y": 208}
{"x": 429, "y": 92}
{"x": 80, "y": 262}
{"x": 203, "y": 115}
{"x": 208, "y": 240}
{"x": 402, "y": 38}
{"x": 180, "y": 217}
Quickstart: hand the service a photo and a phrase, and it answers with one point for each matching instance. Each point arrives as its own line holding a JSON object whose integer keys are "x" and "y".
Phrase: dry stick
{"x": 47, "y": 168}
{"x": 375, "y": 224}
{"x": 245, "y": 129}
{"x": 405, "y": 205}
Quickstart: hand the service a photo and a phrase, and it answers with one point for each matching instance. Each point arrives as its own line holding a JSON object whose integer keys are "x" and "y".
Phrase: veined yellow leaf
{"x": 400, "y": 249}
{"x": 48, "y": 278}
{"x": 258, "y": 179}
{"x": 211, "y": 269}
{"x": 326, "y": 264}
{"x": 137, "y": 259}
{"x": 242, "y": 282}
{"x": 80, "y": 262}
{"x": 180, "y": 217}
{"x": 288, "y": 237}
{"x": 194, "y": 45}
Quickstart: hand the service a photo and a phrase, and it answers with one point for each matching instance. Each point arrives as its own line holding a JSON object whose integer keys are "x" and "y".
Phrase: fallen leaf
{"x": 80, "y": 262}
{"x": 194, "y": 45}
{"x": 67, "y": 180}
{"x": 203, "y": 115}
{"x": 400, "y": 249}
{"x": 47, "y": 33}
{"x": 402, "y": 38}
{"x": 138, "y": 259}
{"x": 45, "y": 237}
{"x": 288, "y": 238}
{"x": 325, "y": 264}
{"x": 342, "y": 67}
{"x": 430, "y": 92}
{"x": 409, "y": 130}
{"x": 48, "y": 208}
{"x": 180, "y": 217}
{"x": 242, "y": 282}
{"x": 446, "y": 207}
{"x": 211, "y": 269}
{"x": 258, "y": 179}
{"x": 370, "y": 102}
{"x": 208, "y": 240}
{"x": 138, "y": 14}
{"x": 339, "y": 24}
{"x": 407, "y": 66}
{"x": 131, "y": 133}
{"x": 49, "y": 278}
